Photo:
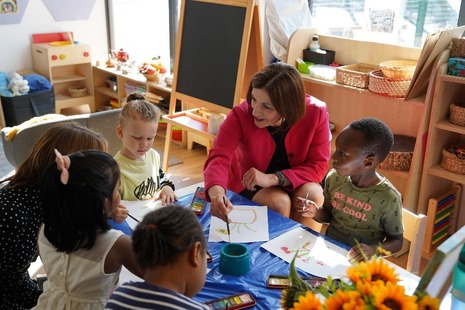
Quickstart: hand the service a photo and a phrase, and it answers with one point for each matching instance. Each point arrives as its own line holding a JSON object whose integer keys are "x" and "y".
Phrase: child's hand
{"x": 355, "y": 253}
{"x": 167, "y": 195}
{"x": 120, "y": 214}
{"x": 306, "y": 210}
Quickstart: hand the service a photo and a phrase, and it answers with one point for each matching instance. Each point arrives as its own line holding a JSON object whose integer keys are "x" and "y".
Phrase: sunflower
{"x": 347, "y": 300}
{"x": 309, "y": 301}
{"x": 428, "y": 303}
{"x": 392, "y": 297}
{"x": 372, "y": 285}
{"x": 372, "y": 271}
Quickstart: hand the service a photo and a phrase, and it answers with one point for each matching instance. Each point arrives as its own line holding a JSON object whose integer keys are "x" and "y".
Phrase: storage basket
{"x": 356, "y": 75}
{"x": 453, "y": 159}
{"x": 400, "y": 157}
{"x": 457, "y": 113}
{"x": 77, "y": 91}
{"x": 398, "y": 69}
{"x": 458, "y": 47}
{"x": 381, "y": 85}
{"x": 19, "y": 109}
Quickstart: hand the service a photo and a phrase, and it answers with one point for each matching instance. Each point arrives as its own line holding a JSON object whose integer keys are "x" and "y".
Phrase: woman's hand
{"x": 120, "y": 214}
{"x": 166, "y": 195}
{"x": 220, "y": 206}
{"x": 254, "y": 177}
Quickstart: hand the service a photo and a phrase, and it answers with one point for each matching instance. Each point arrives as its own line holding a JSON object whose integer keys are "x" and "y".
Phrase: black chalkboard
{"x": 210, "y": 51}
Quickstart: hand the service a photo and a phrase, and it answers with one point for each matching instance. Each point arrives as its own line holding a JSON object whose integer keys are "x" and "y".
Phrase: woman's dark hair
{"x": 74, "y": 213}
{"x": 165, "y": 234}
{"x": 378, "y": 136}
{"x": 285, "y": 87}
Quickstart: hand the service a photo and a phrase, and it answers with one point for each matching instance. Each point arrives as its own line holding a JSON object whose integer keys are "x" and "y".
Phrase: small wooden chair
{"x": 414, "y": 231}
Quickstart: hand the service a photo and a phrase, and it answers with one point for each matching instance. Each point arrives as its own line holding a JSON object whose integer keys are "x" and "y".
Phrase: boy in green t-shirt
{"x": 360, "y": 204}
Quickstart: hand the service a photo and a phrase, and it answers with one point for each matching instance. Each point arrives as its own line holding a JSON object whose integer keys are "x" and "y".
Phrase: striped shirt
{"x": 141, "y": 295}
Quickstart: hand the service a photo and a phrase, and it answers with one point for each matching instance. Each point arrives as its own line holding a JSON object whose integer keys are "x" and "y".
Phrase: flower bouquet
{"x": 372, "y": 284}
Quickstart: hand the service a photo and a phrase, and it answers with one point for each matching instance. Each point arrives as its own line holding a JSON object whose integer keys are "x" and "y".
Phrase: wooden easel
{"x": 204, "y": 91}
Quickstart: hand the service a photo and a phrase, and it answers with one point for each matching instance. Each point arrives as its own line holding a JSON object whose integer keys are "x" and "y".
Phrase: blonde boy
{"x": 141, "y": 174}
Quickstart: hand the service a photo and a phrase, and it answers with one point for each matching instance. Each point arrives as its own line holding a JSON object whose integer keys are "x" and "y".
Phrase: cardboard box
{"x": 19, "y": 109}
{"x": 456, "y": 66}
{"x": 319, "y": 58}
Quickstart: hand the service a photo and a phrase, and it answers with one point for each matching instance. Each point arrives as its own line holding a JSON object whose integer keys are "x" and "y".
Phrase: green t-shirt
{"x": 363, "y": 214}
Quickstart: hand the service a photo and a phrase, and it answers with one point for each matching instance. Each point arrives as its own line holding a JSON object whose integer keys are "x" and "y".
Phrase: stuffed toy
{"x": 17, "y": 84}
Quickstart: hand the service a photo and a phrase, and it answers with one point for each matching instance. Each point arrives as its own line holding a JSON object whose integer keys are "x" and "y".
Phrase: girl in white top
{"x": 82, "y": 256}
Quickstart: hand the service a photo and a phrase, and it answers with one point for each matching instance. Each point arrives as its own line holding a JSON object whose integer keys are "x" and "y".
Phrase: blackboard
{"x": 210, "y": 52}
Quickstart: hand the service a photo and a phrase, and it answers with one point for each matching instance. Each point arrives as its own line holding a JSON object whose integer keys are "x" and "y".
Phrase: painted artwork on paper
{"x": 316, "y": 255}
{"x": 248, "y": 224}
{"x": 138, "y": 208}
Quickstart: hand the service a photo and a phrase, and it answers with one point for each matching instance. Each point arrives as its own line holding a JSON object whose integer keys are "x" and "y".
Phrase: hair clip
{"x": 63, "y": 164}
{"x": 151, "y": 225}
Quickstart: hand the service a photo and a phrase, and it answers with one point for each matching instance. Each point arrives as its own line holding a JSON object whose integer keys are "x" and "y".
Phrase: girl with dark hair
{"x": 82, "y": 255}
{"x": 21, "y": 210}
{"x": 170, "y": 248}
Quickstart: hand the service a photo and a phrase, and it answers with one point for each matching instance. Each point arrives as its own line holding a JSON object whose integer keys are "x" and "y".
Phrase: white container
{"x": 214, "y": 122}
{"x": 314, "y": 45}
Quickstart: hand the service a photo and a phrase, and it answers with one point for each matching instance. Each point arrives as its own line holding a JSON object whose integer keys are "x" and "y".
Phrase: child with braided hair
{"x": 81, "y": 254}
{"x": 170, "y": 248}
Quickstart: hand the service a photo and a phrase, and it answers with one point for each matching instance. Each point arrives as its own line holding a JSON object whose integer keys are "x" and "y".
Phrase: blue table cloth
{"x": 263, "y": 263}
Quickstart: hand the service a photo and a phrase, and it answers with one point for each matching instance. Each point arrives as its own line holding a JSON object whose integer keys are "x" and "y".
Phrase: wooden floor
{"x": 190, "y": 172}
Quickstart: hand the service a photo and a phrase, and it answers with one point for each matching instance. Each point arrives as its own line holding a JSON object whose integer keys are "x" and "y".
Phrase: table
{"x": 263, "y": 262}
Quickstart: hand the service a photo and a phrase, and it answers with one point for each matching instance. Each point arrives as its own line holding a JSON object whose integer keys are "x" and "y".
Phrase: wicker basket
{"x": 458, "y": 47}
{"x": 381, "y": 85}
{"x": 357, "y": 75}
{"x": 400, "y": 157}
{"x": 153, "y": 77}
{"x": 76, "y": 92}
{"x": 457, "y": 113}
{"x": 452, "y": 160}
{"x": 398, "y": 69}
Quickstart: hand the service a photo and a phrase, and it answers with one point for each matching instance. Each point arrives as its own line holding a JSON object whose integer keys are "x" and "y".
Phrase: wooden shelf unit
{"x": 346, "y": 104}
{"x": 66, "y": 66}
{"x": 103, "y": 94}
{"x": 437, "y": 181}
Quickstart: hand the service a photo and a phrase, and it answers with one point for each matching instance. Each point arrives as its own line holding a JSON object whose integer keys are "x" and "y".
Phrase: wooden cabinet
{"x": 66, "y": 66}
{"x": 125, "y": 84}
{"x": 436, "y": 181}
{"x": 346, "y": 104}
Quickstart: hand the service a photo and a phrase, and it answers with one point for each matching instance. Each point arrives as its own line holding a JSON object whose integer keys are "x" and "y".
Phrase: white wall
{"x": 15, "y": 46}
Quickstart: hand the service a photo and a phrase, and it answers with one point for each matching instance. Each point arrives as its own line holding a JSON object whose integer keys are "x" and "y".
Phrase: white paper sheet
{"x": 317, "y": 256}
{"x": 138, "y": 209}
{"x": 248, "y": 224}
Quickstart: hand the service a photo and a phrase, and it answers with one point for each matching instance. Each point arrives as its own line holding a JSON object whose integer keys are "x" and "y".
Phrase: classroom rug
{"x": 173, "y": 161}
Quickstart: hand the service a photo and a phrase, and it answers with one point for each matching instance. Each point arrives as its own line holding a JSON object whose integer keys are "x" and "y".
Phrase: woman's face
{"x": 263, "y": 110}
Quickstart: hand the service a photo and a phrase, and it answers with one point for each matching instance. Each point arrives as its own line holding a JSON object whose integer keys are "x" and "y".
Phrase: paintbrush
{"x": 133, "y": 218}
{"x": 305, "y": 208}
{"x": 227, "y": 222}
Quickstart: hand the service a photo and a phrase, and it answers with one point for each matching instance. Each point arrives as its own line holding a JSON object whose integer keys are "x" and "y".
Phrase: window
{"x": 402, "y": 22}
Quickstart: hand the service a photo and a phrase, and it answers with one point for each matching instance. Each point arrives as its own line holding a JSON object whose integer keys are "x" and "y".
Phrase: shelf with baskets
{"x": 112, "y": 87}
{"x": 346, "y": 104}
{"x": 69, "y": 69}
{"x": 440, "y": 173}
